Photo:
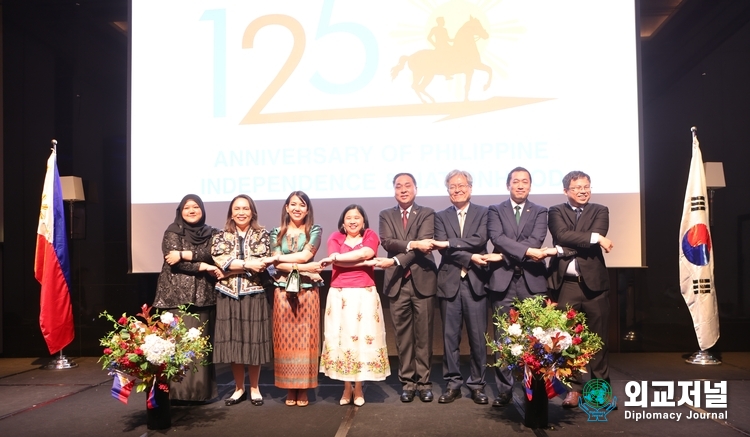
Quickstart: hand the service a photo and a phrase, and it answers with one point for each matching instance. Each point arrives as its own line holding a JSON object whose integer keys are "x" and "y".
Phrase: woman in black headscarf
{"x": 188, "y": 276}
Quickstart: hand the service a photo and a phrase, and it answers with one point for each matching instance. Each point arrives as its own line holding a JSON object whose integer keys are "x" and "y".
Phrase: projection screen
{"x": 334, "y": 97}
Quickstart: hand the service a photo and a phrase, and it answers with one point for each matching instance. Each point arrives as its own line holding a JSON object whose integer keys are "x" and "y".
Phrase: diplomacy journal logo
{"x": 696, "y": 395}
{"x": 597, "y": 400}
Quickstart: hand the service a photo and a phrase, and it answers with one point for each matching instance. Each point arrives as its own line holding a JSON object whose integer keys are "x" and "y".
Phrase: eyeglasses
{"x": 460, "y": 187}
{"x": 580, "y": 188}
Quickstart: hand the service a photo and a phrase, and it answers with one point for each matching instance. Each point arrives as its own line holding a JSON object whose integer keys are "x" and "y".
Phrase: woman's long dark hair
{"x": 286, "y": 219}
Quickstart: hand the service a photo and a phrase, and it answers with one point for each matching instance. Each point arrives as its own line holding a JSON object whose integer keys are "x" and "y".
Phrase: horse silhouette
{"x": 462, "y": 57}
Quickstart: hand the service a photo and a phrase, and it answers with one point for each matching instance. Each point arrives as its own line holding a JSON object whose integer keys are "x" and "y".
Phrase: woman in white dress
{"x": 354, "y": 348}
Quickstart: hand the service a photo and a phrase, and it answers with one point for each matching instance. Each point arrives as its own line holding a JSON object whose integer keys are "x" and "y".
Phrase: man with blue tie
{"x": 461, "y": 238}
{"x": 517, "y": 228}
{"x": 578, "y": 275}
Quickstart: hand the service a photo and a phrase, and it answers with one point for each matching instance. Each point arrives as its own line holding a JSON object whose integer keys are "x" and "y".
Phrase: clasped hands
{"x": 310, "y": 267}
{"x": 535, "y": 254}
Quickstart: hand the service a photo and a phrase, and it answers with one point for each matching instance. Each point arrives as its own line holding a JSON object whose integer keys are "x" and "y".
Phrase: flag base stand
{"x": 703, "y": 358}
{"x": 61, "y": 362}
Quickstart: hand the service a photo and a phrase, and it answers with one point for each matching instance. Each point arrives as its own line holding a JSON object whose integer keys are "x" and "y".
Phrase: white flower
{"x": 538, "y": 333}
{"x": 193, "y": 333}
{"x": 564, "y": 340}
{"x": 157, "y": 350}
{"x": 167, "y": 318}
{"x": 516, "y": 349}
{"x": 514, "y": 330}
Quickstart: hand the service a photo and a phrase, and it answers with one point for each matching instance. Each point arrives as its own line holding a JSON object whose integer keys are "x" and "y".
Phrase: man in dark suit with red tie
{"x": 406, "y": 233}
{"x": 517, "y": 228}
{"x": 578, "y": 274}
{"x": 461, "y": 237}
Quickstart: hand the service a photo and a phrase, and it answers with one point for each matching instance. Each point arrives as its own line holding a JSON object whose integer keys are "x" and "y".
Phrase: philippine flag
{"x": 696, "y": 255}
{"x": 51, "y": 265}
{"x": 121, "y": 387}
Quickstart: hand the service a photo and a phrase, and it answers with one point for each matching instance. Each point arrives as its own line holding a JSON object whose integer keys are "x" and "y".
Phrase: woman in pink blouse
{"x": 354, "y": 348}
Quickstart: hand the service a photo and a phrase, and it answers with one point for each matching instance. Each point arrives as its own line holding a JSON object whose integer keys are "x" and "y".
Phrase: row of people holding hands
{"x": 257, "y": 291}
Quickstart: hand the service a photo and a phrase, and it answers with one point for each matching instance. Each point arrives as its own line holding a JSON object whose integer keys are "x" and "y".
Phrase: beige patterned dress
{"x": 354, "y": 347}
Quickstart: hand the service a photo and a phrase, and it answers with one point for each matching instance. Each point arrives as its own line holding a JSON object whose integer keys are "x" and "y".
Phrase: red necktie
{"x": 405, "y": 221}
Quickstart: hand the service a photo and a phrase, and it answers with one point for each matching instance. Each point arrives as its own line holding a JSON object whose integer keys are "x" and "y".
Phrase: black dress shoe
{"x": 449, "y": 396}
{"x": 257, "y": 402}
{"x": 502, "y": 400}
{"x": 425, "y": 395}
{"x": 407, "y": 395}
{"x": 479, "y": 396}
{"x": 233, "y": 401}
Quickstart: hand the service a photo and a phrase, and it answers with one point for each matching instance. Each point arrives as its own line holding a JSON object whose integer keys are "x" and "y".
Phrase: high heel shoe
{"x": 234, "y": 401}
{"x": 346, "y": 400}
{"x": 359, "y": 400}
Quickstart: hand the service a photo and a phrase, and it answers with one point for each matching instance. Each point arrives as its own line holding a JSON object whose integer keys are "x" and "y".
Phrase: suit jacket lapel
{"x": 470, "y": 219}
{"x": 583, "y": 220}
{"x": 397, "y": 222}
{"x": 410, "y": 221}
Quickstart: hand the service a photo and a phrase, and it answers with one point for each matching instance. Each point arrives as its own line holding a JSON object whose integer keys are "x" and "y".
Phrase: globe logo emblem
{"x": 696, "y": 245}
{"x": 597, "y": 400}
{"x": 597, "y": 393}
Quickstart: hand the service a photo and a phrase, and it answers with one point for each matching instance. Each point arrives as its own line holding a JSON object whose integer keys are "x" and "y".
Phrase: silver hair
{"x": 454, "y": 173}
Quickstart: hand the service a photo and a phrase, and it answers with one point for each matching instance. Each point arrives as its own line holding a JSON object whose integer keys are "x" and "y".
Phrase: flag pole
{"x": 703, "y": 357}
{"x": 61, "y": 362}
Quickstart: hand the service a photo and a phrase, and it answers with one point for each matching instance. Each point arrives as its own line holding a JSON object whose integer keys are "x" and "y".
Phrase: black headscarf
{"x": 197, "y": 233}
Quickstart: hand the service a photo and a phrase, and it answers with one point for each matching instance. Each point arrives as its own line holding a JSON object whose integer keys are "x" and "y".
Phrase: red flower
{"x": 163, "y": 387}
{"x": 577, "y": 340}
{"x": 531, "y": 361}
{"x": 578, "y": 329}
{"x": 123, "y": 320}
{"x": 571, "y": 314}
{"x": 107, "y": 350}
{"x": 513, "y": 315}
{"x": 138, "y": 351}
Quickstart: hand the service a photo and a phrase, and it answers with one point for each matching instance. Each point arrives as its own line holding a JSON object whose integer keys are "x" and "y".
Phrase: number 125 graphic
{"x": 325, "y": 27}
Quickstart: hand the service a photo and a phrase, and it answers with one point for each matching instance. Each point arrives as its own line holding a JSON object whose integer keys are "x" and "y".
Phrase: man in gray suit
{"x": 461, "y": 237}
{"x": 517, "y": 229}
{"x": 406, "y": 233}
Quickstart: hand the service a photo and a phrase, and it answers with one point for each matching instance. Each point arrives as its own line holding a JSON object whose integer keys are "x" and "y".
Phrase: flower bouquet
{"x": 149, "y": 353}
{"x": 544, "y": 342}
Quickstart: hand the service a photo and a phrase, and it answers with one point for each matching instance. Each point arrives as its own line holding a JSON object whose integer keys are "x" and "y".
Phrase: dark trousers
{"x": 412, "y": 316}
{"x": 501, "y": 302}
{"x": 596, "y": 307}
{"x": 464, "y": 307}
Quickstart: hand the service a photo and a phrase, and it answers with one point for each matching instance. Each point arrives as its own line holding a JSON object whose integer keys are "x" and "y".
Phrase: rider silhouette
{"x": 439, "y": 39}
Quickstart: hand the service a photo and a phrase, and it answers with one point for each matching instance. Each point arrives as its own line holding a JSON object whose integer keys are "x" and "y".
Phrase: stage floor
{"x": 77, "y": 402}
